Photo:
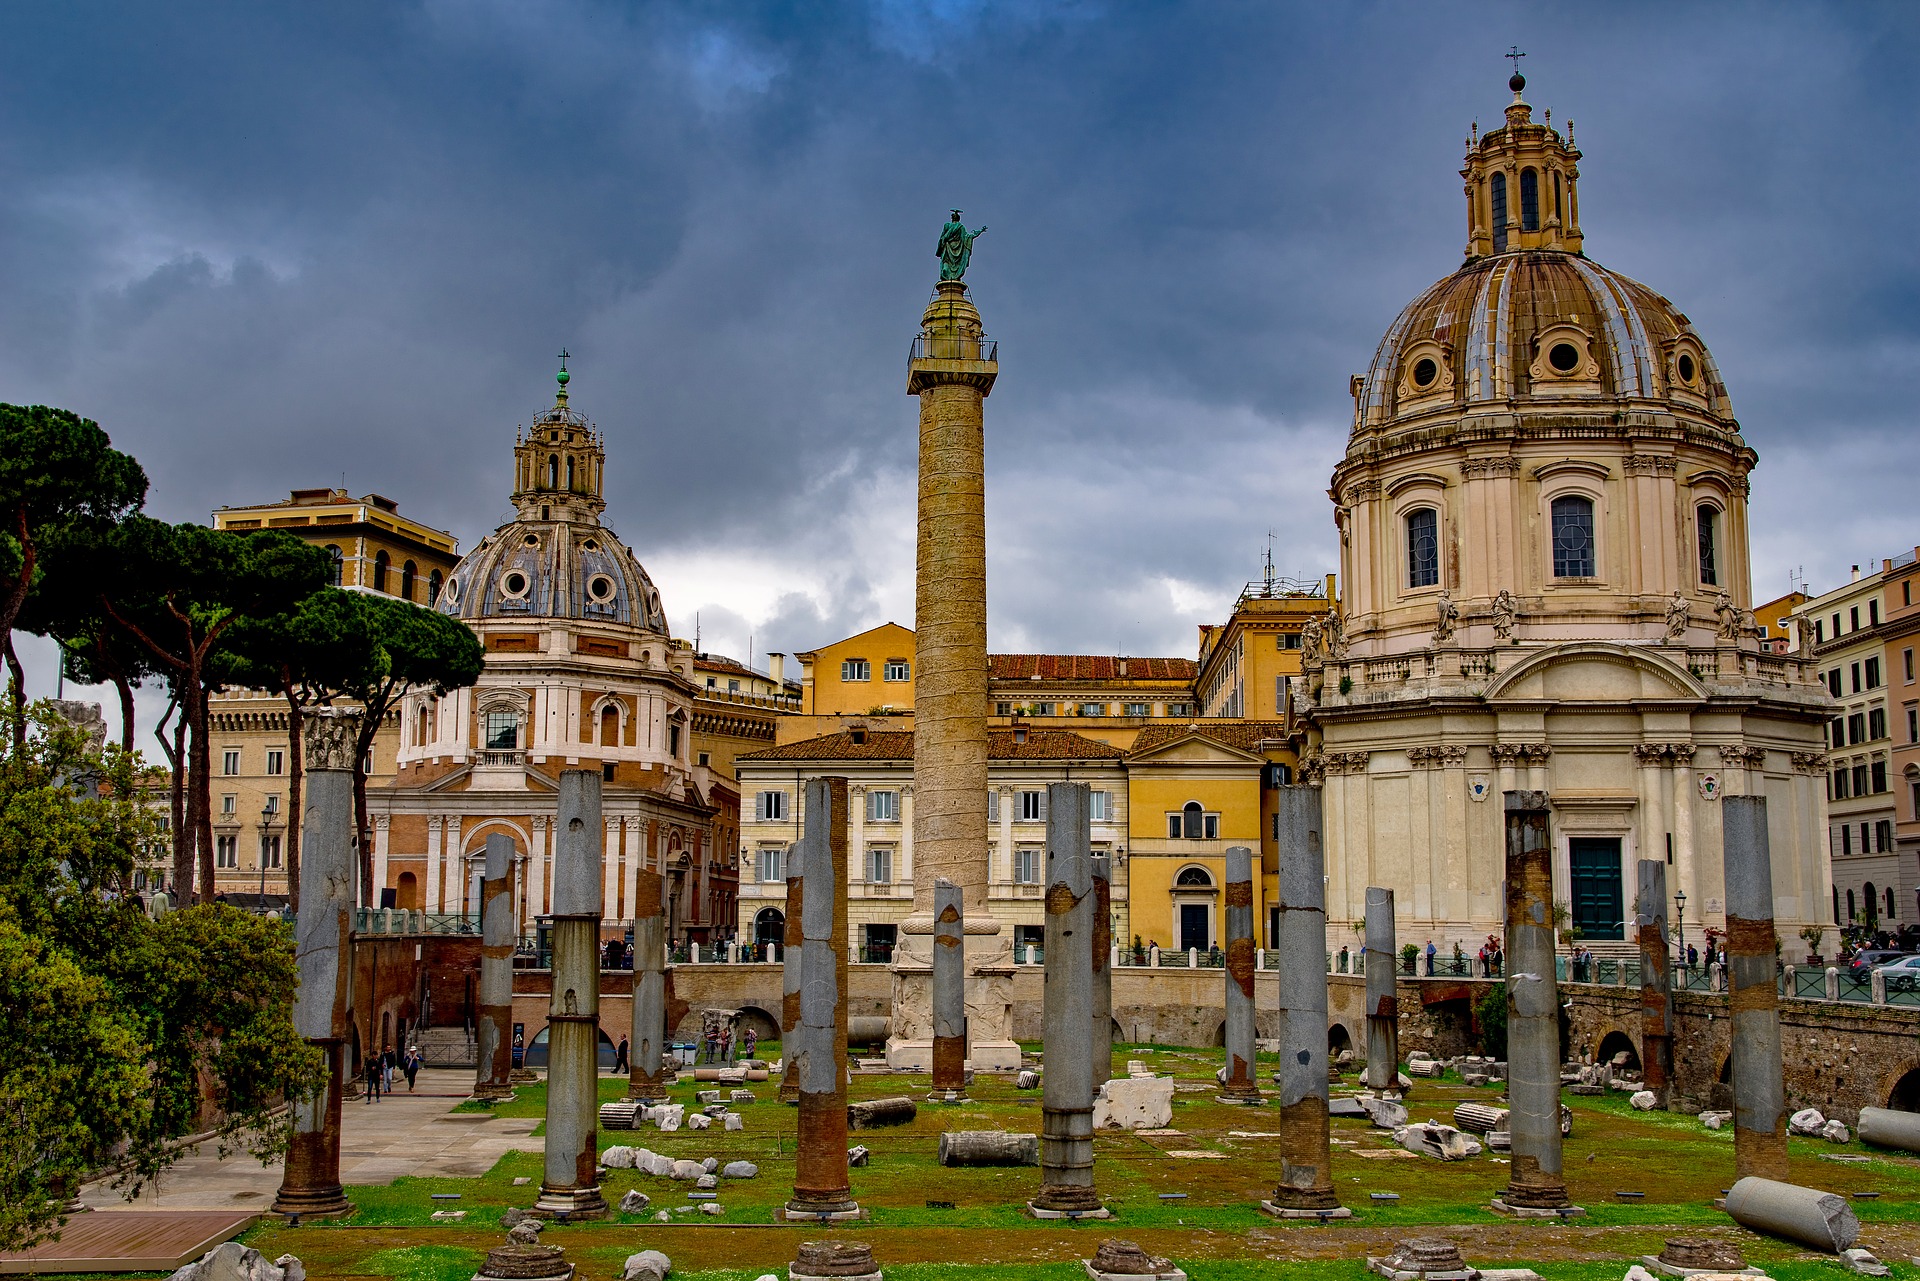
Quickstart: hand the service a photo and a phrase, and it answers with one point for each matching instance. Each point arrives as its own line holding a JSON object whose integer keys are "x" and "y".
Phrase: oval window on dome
{"x": 591, "y": 545}
{"x": 1686, "y": 368}
{"x": 531, "y": 540}
{"x": 453, "y": 592}
{"x": 514, "y": 584}
{"x": 600, "y": 587}
{"x": 1425, "y": 371}
{"x": 1564, "y": 357}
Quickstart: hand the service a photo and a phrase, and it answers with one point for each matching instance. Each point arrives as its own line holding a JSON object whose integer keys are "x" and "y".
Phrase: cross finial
{"x": 1513, "y": 54}
{"x": 563, "y": 358}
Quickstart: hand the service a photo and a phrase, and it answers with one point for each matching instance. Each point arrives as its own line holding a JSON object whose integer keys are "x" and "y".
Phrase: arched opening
{"x": 569, "y": 473}
{"x": 336, "y": 564}
{"x": 1529, "y": 200}
{"x": 407, "y": 572}
{"x": 1195, "y": 877}
{"x": 1852, "y": 915}
{"x": 1499, "y": 197}
{"x": 609, "y": 726}
{"x": 380, "y": 563}
{"x": 1192, "y": 822}
{"x": 769, "y": 926}
{"x": 764, "y": 1026}
{"x": 553, "y": 471}
{"x": 407, "y": 892}
{"x": 1614, "y": 1044}
{"x": 1905, "y": 1095}
{"x": 434, "y": 584}
{"x": 1573, "y": 536}
{"x": 1338, "y": 1042}
{"x": 1557, "y": 215}
{"x": 1870, "y": 898}
{"x": 1423, "y": 547}
{"x": 1706, "y": 523}
{"x": 1890, "y": 913}
{"x": 420, "y": 727}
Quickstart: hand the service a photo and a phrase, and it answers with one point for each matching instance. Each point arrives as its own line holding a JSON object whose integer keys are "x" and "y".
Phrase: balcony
{"x": 1181, "y": 847}
{"x": 497, "y": 758}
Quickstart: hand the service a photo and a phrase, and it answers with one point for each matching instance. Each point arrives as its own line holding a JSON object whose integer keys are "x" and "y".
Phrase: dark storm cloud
{"x": 271, "y": 245}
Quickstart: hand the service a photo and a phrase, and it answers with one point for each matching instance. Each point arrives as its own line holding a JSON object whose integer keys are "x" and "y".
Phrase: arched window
{"x": 1194, "y": 877}
{"x": 1706, "y": 529}
{"x": 420, "y": 727}
{"x": 1192, "y": 821}
{"x": 609, "y": 726}
{"x": 434, "y": 583}
{"x": 1850, "y": 911}
{"x": 1872, "y": 899}
{"x": 1423, "y": 547}
{"x": 1499, "y": 213}
{"x": 1573, "y": 537}
{"x": 1558, "y": 216}
{"x": 336, "y": 563}
{"x": 569, "y": 473}
{"x": 380, "y": 563}
{"x": 553, "y": 471}
{"x": 407, "y": 571}
{"x": 1529, "y": 200}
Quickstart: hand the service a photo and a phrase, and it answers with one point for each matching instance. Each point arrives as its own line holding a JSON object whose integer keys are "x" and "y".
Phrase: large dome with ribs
{"x": 1536, "y": 325}
{"x": 553, "y": 569}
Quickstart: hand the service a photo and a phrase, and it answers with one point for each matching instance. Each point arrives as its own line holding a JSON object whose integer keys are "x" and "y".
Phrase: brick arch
{"x": 1890, "y": 1081}
{"x": 1605, "y": 1046}
{"x": 766, "y": 1027}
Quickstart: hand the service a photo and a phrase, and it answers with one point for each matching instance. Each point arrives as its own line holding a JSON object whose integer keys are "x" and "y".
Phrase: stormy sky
{"x": 278, "y": 246}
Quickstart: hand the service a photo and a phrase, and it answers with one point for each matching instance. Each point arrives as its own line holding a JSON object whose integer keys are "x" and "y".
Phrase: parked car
{"x": 1902, "y": 975}
{"x": 1866, "y": 960}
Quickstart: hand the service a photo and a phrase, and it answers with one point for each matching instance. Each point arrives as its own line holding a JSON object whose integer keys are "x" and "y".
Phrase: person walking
{"x": 620, "y": 1057}
{"x": 748, "y": 1042}
{"x": 372, "y": 1074}
{"x": 1432, "y": 952}
{"x": 411, "y": 1065}
{"x": 726, "y": 1046}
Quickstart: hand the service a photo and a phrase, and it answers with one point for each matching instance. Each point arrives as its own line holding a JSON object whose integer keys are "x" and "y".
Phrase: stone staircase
{"x": 447, "y": 1047}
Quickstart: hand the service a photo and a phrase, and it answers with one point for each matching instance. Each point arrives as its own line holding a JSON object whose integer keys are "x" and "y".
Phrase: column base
{"x": 522, "y": 1076}
{"x": 948, "y": 1096}
{"x": 1252, "y": 1100}
{"x": 570, "y": 1205}
{"x": 982, "y": 1056}
{"x": 316, "y": 1203}
{"x": 1300, "y": 1212}
{"x": 791, "y": 1213}
{"x": 499, "y": 1093}
{"x": 1507, "y": 1208}
{"x": 1098, "y": 1212}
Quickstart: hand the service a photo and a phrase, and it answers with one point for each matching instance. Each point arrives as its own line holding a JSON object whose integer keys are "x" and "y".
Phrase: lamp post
{"x": 1680, "y": 931}
{"x": 267, "y": 812}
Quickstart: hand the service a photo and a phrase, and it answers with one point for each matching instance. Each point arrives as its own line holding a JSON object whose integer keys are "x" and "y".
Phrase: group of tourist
{"x": 720, "y": 1045}
{"x": 380, "y": 1069}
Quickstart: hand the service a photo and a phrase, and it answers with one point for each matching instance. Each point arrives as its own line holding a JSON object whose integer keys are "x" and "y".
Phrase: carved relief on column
{"x": 1345, "y": 762}
{"x": 1651, "y": 754}
{"x": 1313, "y": 769}
{"x": 1810, "y": 762}
{"x": 1739, "y": 756}
{"x": 1452, "y": 757}
{"x": 1423, "y": 757}
{"x": 1508, "y": 755}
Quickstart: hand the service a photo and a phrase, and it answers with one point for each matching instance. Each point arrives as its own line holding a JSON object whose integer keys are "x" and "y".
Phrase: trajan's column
{"x": 951, "y": 370}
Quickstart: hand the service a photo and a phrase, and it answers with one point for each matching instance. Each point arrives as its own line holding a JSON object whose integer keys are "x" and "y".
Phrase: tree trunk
{"x": 200, "y": 776}
{"x": 121, "y": 683}
{"x": 18, "y": 693}
{"x": 296, "y": 774}
{"x": 363, "y": 837}
{"x": 175, "y": 752}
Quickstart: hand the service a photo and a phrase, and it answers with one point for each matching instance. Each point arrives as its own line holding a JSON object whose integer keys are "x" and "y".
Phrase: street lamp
{"x": 267, "y": 812}
{"x": 1680, "y": 924}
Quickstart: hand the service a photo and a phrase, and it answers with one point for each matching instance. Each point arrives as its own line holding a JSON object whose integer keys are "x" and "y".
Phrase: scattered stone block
{"x": 661, "y": 1216}
{"x": 1136, "y": 1068}
{"x": 618, "y": 1157}
{"x": 1442, "y": 1142}
{"x": 441, "y": 1216}
{"x": 1586, "y": 1090}
{"x": 733, "y": 1121}
{"x": 668, "y": 1115}
{"x": 231, "y": 1261}
{"x": 712, "y": 1207}
{"x": 858, "y": 1155}
{"x": 839, "y": 1260}
{"x": 699, "y": 1121}
{"x": 653, "y": 1163}
{"x": 707, "y": 1182}
{"x": 1645, "y": 1101}
{"x": 709, "y": 1165}
{"x": 1475, "y": 1078}
{"x": 634, "y": 1202}
{"x": 1026, "y": 1079}
{"x": 621, "y": 1114}
{"x": 742, "y": 1096}
{"x": 1479, "y": 1118}
{"x": 874, "y": 1113}
{"x": 1426, "y": 1068}
{"x": 513, "y": 1216}
{"x": 1424, "y": 1259}
{"x": 1715, "y": 1120}
{"x": 1345, "y": 1105}
{"x": 1836, "y": 1132}
{"x": 1136, "y": 1103}
{"x": 686, "y": 1170}
{"x": 988, "y": 1147}
{"x": 740, "y": 1170}
{"x": 648, "y": 1265}
{"x": 521, "y": 1180}
{"x": 1692, "y": 1256}
{"x": 1807, "y": 1122}
{"x": 1863, "y": 1262}
{"x": 1387, "y": 1114}
{"x": 706, "y": 1096}
{"x": 1118, "y": 1260}
{"x": 526, "y": 1232}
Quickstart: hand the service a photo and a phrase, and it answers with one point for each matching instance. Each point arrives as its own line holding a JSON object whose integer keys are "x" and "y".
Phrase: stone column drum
{"x": 1305, "y": 1189}
{"x": 1066, "y": 1087}
{"x": 1759, "y": 1089}
{"x": 499, "y": 933}
{"x": 570, "y": 1187}
{"x": 1383, "y": 1002}
{"x": 949, "y": 993}
{"x": 310, "y": 1184}
{"x": 1656, "y": 980}
{"x": 1102, "y": 1041}
{"x": 821, "y": 1188}
{"x": 1537, "y": 1186}
{"x": 650, "y": 1073}
{"x": 1240, "y": 1086}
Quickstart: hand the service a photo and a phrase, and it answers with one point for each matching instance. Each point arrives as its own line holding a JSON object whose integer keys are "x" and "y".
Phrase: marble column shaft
{"x": 1102, "y": 1041}
{"x": 1066, "y": 1098}
{"x": 1656, "y": 979}
{"x": 1306, "y": 1162}
{"x": 498, "y": 935}
{"x": 1533, "y": 1009}
{"x": 949, "y": 991}
{"x": 648, "y": 1077}
{"x": 570, "y": 1186}
{"x": 1241, "y": 1086}
{"x": 821, "y": 1187}
{"x": 1383, "y": 1004}
{"x": 1759, "y": 1091}
{"x": 792, "y": 948}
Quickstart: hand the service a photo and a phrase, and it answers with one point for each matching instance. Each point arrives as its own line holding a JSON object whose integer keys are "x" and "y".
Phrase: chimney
{"x": 1856, "y": 573}
{"x": 777, "y": 668}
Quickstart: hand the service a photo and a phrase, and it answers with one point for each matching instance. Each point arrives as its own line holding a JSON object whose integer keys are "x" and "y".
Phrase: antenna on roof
{"x": 696, "y": 631}
{"x": 1269, "y": 562}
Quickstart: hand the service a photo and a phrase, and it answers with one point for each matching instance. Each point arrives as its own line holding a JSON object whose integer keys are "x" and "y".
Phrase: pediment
{"x": 1195, "y": 749}
{"x": 1596, "y": 672}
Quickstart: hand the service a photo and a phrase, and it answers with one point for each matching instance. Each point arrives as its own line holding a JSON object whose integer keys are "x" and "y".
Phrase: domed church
{"x": 1542, "y": 514}
{"x": 580, "y": 672}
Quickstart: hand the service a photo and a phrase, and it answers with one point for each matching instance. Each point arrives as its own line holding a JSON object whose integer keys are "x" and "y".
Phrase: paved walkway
{"x": 403, "y": 1134}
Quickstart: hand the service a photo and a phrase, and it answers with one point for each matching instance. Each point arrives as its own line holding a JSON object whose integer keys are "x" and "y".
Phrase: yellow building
{"x": 1245, "y": 663}
{"x": 867, "y": 674}
{"x": 1774, "y": 620}
{"x": 373, "y": 546}
{"x": 736, "y": 709}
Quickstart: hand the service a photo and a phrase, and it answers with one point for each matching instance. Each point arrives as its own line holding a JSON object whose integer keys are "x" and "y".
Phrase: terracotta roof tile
{"x": 897, "y": 745}
{"x": 1088, "y": 667}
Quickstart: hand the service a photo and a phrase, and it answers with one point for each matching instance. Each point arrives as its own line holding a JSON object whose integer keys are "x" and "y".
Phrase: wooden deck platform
{"x": 131, "y": 1241}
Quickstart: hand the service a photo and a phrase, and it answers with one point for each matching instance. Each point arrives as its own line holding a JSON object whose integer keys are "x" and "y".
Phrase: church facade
{"x": 580, "y": 673}
{"x": 1542, "y": 513}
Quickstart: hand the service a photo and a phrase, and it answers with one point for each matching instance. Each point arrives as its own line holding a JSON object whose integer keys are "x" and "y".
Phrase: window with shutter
{"x": 1033, "y": 807}
{"x": 993, "y": 805}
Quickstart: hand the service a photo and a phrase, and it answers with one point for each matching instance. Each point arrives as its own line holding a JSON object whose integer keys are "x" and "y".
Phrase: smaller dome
{"x": 553, "y": 569}
{"x": 1537, "y": 325}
